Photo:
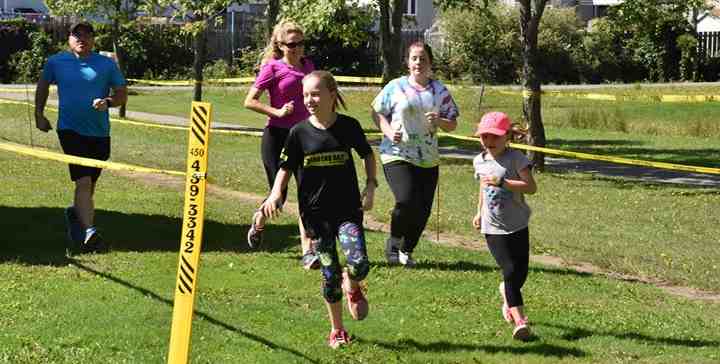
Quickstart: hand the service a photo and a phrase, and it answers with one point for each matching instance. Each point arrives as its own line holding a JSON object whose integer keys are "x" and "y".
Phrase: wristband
{"x": 108, "y": 101}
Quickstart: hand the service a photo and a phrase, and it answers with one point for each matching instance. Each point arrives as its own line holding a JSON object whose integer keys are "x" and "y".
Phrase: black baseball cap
{"x": 82, "y": 25}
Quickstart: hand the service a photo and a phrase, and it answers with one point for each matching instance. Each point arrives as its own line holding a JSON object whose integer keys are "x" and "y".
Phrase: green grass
{"x": 665, "y": 232}
{"x": 261, "y": 307}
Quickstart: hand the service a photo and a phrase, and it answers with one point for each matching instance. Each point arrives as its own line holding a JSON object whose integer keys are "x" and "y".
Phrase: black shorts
{"x": 319, "y": 225}
{"x": 84, "y": 146}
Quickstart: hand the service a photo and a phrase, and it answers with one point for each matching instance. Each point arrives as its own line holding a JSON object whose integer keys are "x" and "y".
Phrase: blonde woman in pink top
{"x": 283, "y": 67}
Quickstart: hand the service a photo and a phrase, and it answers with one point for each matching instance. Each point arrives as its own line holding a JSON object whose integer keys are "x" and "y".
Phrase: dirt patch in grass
{"x": 178, "y": 183}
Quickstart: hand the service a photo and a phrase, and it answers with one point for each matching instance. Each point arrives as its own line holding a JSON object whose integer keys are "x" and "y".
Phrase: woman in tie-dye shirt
{"x": 409, "y": 110}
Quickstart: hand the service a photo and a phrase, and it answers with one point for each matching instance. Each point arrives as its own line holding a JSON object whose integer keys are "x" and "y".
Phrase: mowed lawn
{"x": 261, "y": 307}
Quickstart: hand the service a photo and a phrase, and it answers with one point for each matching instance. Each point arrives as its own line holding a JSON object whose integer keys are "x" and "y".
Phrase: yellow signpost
{"x": 192, "y": 230}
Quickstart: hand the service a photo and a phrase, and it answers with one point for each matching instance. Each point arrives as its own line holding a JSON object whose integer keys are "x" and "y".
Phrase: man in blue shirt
{"x": 84, "y": 80}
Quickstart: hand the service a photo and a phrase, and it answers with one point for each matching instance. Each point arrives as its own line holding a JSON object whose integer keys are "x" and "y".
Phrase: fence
{"x": 709, "y": 44}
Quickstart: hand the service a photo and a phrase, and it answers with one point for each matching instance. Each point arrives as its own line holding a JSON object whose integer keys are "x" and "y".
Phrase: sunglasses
{"x": 294, "y": 44}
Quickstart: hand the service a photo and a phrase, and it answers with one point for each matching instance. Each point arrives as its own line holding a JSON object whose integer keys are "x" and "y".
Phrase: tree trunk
{"x": 530, "y": 14}
{"x": 273, "y": 9}
{"x": 199, "y": 62}
{"x": 391, "y": 37}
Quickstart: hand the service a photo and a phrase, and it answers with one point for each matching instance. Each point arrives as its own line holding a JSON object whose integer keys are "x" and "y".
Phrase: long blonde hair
{"x": 280, "y": 32}
{"x": 327, "y": 80}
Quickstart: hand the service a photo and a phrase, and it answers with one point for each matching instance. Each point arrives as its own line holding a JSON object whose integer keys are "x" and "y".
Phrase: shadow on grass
{"x": 466, "y": 266}
{"x": 578, "y": 333}
{"x": 544, "y": 349}
{"x": 37, "y": 235}
{"x": 628, "y": 177}
{"x": 147, "y": 293}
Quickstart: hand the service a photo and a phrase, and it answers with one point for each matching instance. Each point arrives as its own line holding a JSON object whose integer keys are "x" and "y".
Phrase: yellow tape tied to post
{"x": 192, "y": 231}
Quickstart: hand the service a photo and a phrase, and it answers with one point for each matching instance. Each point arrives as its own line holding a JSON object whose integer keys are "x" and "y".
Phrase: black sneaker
{"x": 255, "y": 234}
{"x": 94, "y": 244}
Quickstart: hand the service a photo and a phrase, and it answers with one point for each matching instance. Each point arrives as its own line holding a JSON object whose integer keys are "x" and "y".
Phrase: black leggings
{"x": 414, "y": 190}
{"x": 273, "y": 141}
{"x": 512, "y": 253}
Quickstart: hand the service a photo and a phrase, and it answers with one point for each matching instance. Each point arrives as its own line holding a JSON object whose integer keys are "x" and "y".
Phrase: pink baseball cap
{"x": 495, "y": 122}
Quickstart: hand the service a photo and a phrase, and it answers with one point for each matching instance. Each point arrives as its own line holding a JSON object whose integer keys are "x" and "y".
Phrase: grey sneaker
{"x": 310, "y": 260}
{"x": 255, "y": 234}
{"x": 392, "y": 247}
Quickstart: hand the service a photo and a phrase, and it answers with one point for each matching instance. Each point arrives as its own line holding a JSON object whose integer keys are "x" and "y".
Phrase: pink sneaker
{"x": 522, "y": 330}
{"x": 338, "y": 338}
{"x": 356, "y": 301}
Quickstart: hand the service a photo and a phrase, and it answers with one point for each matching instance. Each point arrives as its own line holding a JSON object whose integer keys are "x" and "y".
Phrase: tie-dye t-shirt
{"x": 405, "y": 106}
{"x": 503, "y": 211}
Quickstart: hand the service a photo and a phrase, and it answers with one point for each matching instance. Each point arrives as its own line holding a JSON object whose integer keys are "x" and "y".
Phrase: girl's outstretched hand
{"x": 272, "y": 206}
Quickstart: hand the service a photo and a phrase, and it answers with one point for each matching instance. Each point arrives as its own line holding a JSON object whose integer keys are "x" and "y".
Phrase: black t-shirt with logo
{"x": 323, "y": 163}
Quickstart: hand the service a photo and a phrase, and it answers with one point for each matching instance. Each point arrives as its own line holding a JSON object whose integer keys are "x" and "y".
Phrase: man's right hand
{"x": 42, "y": 123}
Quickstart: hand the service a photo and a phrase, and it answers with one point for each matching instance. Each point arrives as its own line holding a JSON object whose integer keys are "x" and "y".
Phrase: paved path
{"x": 645, "y": 174}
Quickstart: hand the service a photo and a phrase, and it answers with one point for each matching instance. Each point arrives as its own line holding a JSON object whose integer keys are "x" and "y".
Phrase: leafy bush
{"x": 14, "y": 37}
{"x": 483, "y": 44}
{"x": 605, "y": 58}
{"x": 688, "y": 47}
{"x": 157, "y": 51}
{"x": 27, "y": 64}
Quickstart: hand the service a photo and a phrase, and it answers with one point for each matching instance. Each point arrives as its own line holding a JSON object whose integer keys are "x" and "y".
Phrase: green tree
{"x": 198, "y": 14}
{"x": 338, "y": 20}
{"x": 391, "y": 37}
{"x": 652, "y": 27}
{"x": 531, "y": 12}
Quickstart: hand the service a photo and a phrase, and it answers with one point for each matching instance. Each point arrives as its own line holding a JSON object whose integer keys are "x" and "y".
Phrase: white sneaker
{"x": 406, "y": 259}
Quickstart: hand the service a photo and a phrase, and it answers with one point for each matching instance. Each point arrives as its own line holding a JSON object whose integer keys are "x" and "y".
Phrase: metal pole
{"x": 232, "y": 36}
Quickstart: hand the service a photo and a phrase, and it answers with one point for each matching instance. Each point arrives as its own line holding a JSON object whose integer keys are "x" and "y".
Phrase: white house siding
{"x": 709, "y": 24}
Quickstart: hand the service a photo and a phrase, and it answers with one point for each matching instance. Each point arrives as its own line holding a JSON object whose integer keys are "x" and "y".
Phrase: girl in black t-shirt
{"x": 319, "y": 151}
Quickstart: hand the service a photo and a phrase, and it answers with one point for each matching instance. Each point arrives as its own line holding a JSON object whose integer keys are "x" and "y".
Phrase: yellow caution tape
{"x": 147, "y": 124}
{"x": 612, "y": 97}
{"x": 23, "y": 89}
{"x": 618, "y": 160}
{"x": 88, "y": 162}
{"x": 343, "y": 79}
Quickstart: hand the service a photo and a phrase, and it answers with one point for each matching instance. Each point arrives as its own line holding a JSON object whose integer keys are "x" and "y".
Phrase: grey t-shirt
{"x": 503, "y": 211}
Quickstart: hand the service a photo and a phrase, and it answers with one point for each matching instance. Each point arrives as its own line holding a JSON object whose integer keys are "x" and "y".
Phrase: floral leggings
{"x": 350, "y": 233}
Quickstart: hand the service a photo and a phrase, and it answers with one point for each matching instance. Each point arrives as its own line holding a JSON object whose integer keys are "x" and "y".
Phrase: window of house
{"x": 410, "y": 7}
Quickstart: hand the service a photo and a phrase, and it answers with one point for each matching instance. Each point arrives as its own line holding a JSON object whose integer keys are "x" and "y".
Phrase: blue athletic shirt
{"x": 80, "y": 81}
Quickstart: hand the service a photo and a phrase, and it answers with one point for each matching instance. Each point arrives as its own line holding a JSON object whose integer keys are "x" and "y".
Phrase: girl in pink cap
{"x": 283, "y": 67}
{"x": 505, "y": 176}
